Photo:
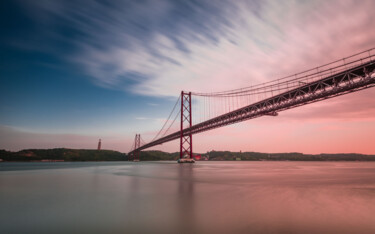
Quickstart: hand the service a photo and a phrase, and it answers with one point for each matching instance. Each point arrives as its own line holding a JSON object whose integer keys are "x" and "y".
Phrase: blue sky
{"x": 76, "y": 71}
{"x": 44, "y": 90}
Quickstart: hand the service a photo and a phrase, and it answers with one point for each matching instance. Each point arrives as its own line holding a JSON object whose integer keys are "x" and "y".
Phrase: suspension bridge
{"x": 200, "y": 112}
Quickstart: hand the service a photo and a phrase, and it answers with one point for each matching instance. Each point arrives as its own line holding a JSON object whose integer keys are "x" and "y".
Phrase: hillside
{"x": 256, "y": 156}
{"x": 62, "y": 154}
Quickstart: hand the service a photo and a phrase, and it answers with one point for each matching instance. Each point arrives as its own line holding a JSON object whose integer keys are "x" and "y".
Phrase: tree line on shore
{"x": 256, "y": 156}
{"x": 63, "y": 154}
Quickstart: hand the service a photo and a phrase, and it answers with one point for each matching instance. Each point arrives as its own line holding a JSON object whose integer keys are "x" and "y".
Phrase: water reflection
{"x": 185, "y": 206}
{"x": 206, "y": 197}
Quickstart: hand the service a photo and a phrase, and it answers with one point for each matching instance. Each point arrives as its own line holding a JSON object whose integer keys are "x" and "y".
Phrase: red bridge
{"x": 350, "y": 74}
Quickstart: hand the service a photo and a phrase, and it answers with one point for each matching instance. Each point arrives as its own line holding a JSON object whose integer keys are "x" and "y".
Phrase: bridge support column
{"x": 186, "y": 141}
{"x": 137, "y": 144}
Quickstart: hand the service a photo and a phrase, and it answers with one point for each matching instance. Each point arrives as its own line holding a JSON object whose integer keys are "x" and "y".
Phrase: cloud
{"x": 150, "y": 49}
{"x": 251, "y": 48}
{"x": 158, "y": 49}
{"x": 141, "y": 118}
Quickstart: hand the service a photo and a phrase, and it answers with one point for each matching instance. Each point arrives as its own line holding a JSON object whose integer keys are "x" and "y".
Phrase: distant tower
{"x": 100, "y": 144}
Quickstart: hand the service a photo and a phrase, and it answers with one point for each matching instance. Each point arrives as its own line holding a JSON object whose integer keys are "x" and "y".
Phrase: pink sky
{"x": 289, "y": 37}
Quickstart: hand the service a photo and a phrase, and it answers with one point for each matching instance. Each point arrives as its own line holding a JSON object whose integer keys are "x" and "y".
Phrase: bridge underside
{"x": 340, "y": 83}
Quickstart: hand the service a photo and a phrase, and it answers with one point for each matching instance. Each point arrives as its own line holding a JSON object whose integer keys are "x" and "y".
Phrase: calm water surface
{"x": 206, "y": 197}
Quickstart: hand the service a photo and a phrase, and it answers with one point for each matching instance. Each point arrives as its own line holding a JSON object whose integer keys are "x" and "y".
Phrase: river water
{"x": 205, "y": 197}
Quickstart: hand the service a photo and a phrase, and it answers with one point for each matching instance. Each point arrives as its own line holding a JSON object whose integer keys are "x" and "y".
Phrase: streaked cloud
{"x": 158, "y": 48}
{"x": 152, "y": 104}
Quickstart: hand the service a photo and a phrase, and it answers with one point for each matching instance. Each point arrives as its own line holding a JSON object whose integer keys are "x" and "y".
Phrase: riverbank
{"x": 72, "y": 155}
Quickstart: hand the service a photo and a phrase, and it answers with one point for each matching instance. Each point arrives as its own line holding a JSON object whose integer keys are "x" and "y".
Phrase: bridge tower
{"x": 137, "y": 144}
{"x": 100, "y": 144}
{"x": 186, "y": 141}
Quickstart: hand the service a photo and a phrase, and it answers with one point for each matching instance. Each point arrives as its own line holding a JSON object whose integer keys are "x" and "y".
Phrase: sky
{"x": 73, "y": 72}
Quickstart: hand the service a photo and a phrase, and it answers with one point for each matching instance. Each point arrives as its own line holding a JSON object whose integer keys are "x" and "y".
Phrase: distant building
{"x": 204, "y": 158}
{"x": 100, "y": 144}
{"x": 51, "y": 160}
{"x": 28, "y": 154}
{"x": 197, "y": 157}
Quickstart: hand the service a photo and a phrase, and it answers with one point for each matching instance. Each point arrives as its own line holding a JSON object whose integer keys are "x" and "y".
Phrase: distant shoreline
{"x": 83, "y": 155}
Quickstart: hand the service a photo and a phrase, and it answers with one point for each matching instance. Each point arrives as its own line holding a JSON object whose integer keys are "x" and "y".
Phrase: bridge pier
{"x": 186, "y": 140}
{"x": 137, "y": 144}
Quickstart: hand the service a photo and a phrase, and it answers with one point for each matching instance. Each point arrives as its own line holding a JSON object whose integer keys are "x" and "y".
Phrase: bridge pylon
{"x": 137, "y": 144}
{"x": 186, "y": 140}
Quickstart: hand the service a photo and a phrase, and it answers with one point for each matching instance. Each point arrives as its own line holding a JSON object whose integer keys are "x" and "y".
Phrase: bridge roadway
{"x": 349, "y": 80}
